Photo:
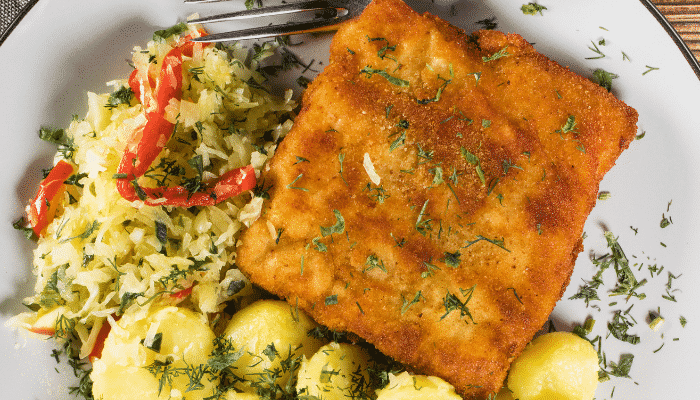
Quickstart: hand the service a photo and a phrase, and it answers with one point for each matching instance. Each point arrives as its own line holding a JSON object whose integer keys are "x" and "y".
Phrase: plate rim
{"x": 675, "y": 36}
{"x": 16, "y": 20}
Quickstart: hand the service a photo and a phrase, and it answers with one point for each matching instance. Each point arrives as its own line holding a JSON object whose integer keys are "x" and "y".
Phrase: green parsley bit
{"x": 604, "y": 195}
{"x": 122, "y": 96}
{"x": 173, "y": 30}
{"x": 604, "y": 78}
{"x": 665, "y": 221}
{"x": 452, "y": 259}
{"x": 331, "y": 300}
{"x": 532, "y": 9}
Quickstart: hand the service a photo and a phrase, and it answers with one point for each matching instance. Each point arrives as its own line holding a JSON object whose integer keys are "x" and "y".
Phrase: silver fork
{"x": 329, "y": 13}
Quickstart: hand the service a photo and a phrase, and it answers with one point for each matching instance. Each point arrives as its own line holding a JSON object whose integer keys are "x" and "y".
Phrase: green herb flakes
{"x": 405, "y": 304}
{"x": 331, "y": 300}
{"x": 374, "y": 262}
{"x": 597, "y": 51}
{"x": 532, "y": 9}
{"x": 173, "y": 30}
{"x": 568, "y": 127}
{"x": 620, "y": 325}
{"x": 338, "y": 227}
{"x": 452, "y": 259}
{"x": 495, "y": 56}
{"x": 123, "y": 95}
{"x": 649, "y": 69}
{"x": 451, "y": 302}
{"x": 291, "y": 185}
{"x": 369, "y": 71}
{"x": 604, "y": 78}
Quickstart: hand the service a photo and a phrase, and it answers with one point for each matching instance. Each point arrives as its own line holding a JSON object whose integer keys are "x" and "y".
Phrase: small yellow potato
{"x": 270, "y": 332}
{"x": 555, "y": 366}
{"x": 185, "y": 334}
{"x": 335, "y": 372}
{"x": 118, "y": 382}
{"x": 138, "y": 349}
{"x": 417, "y": 387}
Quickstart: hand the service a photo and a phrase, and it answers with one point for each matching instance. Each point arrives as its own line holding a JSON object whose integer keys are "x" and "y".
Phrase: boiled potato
{"x": 417, "y": 387}
{"x": 555, "y": 366}
{"x": 270, "y": 332}
{"x": 335, "y": 372}
{"x": 121, "y": 382}
{"x": 174, "y": 336}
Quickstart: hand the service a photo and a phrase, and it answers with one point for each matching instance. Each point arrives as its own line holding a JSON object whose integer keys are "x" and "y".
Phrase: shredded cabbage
{"x": 103, "y": 256}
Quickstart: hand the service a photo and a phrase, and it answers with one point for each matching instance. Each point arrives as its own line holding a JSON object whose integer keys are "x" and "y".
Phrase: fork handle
{"x": 269, "y": 31}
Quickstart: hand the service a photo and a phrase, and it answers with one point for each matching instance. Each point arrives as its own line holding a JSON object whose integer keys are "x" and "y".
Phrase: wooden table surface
{"x": 684, "y": 15}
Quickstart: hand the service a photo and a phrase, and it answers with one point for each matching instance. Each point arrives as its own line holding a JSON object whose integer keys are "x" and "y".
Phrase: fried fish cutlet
{"x": 432, "y": 193}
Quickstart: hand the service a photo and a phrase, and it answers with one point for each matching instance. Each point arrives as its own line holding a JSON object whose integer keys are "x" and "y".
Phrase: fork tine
{"x": 263, "y": 12}
{"x": 333, "y": 12}
{"x": 269, "y": 31}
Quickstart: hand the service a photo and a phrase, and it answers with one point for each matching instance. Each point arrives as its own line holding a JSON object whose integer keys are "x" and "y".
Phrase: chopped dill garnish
{"x": 596, "y": 50}
{"x": 369, "y": 71}
{"x": 649, "y": 69}
{"x": 495, "y": 56}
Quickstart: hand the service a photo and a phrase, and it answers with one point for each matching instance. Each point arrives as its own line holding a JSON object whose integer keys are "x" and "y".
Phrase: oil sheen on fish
{"x": 432, "y": 193}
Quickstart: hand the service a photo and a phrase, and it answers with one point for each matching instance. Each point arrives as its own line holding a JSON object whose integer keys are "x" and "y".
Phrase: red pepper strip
{"x": 156, "y": 132}
{"x": 49, "y": 189}
{"x": 135, "y": 83}
{"x": 230, "y": 184}
{"x": 96, "y": 351}
{"x": 43, "y": 331}
{"x": 179, "y": 295}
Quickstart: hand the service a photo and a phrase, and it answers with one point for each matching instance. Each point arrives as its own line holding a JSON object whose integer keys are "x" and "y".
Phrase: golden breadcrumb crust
{"x": 489, "y": 157}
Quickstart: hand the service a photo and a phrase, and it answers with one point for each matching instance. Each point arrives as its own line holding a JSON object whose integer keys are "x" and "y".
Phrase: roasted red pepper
{"x": 40, "y": 209}
{"x": 181, "y": 294}
{"x": 43, "y": 331}
{"x": 96, "y": 351}
{"x": 154, "y": 135}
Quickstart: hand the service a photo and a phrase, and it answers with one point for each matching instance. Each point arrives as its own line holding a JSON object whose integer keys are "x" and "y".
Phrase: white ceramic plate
{"x": 62, "y": 49}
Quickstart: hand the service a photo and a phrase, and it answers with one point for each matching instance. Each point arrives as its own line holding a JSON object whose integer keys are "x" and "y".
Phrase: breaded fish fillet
{"x": 432, "y": 194}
